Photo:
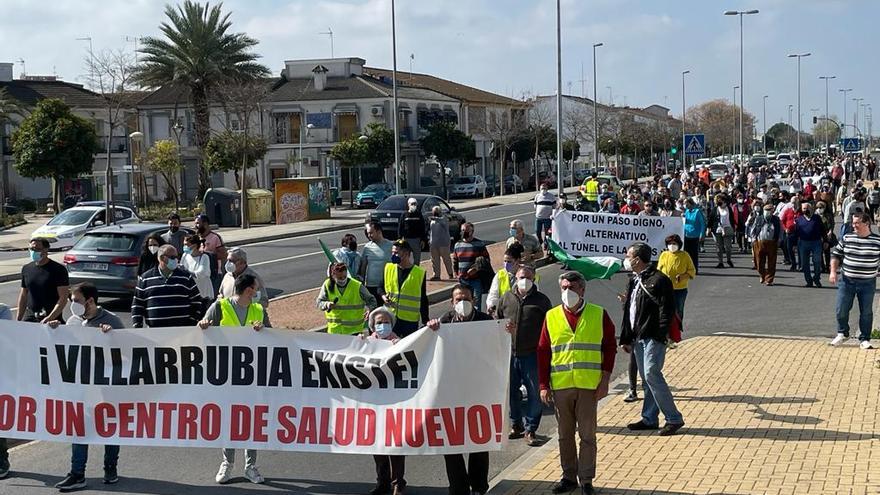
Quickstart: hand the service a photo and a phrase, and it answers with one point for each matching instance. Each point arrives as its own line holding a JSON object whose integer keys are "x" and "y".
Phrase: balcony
{"x": 118, "y": 144}
{"x": 6, "y": 146}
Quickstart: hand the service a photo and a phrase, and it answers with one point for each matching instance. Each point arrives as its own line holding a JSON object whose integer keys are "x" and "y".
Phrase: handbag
{"x": 675, "y": 325}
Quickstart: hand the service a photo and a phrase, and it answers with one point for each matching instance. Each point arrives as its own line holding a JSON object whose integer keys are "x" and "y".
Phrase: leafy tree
{"x": 448, "y": 144}
{"x": 571, "y": 150}
{"x": 349, "y": 153}
{"x": 54, "y": 143}
{"x": 781, "y": 135}
{"x": 822, "y": 126}
{"x": 227, "y": 151}
{"x": 164, "y": 159}
{"x": 9, "y": 108}
{"x": 199, "y": 53}
{"x": 380, "y": 145}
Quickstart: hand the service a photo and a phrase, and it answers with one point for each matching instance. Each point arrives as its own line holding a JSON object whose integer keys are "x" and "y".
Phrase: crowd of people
{"x": 561, "y": 355}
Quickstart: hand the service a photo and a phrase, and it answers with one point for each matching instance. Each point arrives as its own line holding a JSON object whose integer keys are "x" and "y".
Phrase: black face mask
{"x": 201, "y": 229}
{"x": 173, "y": 228}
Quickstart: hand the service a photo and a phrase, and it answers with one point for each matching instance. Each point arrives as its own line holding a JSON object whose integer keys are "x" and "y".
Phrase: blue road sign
{"x": 850, "y": 144}
{"x": 694, "y": 144}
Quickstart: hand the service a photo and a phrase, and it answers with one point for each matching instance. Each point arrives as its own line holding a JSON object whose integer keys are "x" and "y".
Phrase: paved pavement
{"x": 765, "y": 415}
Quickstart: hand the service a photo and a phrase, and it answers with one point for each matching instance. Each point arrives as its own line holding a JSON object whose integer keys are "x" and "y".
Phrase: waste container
{"x": 260, "y": 205}
{"x": 222, "y": 206}
{"x": 301, "y": 199}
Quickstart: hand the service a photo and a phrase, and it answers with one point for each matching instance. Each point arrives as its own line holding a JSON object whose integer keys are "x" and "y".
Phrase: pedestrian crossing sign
{"x": 851, "y": 144}
{"x": 694, "y": 144}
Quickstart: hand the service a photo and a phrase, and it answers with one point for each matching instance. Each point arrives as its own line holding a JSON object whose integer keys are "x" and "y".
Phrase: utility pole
{"x": 825, "y": 124}
{"x": 799, "y": 56}
{"x": 683, "y": 111}
{"x": 764, "y": 140}
{"x": 559, "y": 178}
{"x": 843, "y": 119}
{"x": 595, "y": 112}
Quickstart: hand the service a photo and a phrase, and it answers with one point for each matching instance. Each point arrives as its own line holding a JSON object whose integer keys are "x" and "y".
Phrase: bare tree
{"x": 501, "y": 128}
{"x": 242, "y": 100}
{"x": 577, "y": 125}
{"x": 540, "y": 117}
{"x": 110, "y": 73}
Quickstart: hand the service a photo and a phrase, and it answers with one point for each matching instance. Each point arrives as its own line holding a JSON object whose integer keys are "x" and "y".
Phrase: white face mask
{"x": 464, "y": 308}
{"x": 672, "y": 247}
{"x": 341, "y": 282}
{"x": 627, "y": 264}
{"x": 230, "y": 267}
{"x": 78, "y": 309}
{"x": 570, "y": 298}
{"x": 154, "y": 249}
{"x": 524, "y": 285}
{"x": 413, "y": 208}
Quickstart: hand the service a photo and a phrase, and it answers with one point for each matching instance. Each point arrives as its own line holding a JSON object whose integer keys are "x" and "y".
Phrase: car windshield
{"x": 463, "y": 180}
{"x": 375, "y": 187}
{"x": 394, "y": 203}
{"x": 72, "y": 217}
{"x": 107, "y": 242}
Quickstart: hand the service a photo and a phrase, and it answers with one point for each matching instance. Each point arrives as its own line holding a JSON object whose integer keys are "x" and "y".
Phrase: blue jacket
{"x": 810, "y": 230}
{"x": 694, "y": 223}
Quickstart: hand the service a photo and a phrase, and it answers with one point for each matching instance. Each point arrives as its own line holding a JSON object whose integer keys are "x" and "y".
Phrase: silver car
{"x": 108, "y": 257}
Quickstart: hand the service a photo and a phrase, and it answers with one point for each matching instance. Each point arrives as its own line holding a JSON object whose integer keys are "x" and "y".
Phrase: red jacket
{"x": 788, "y": 218}
{"x": 809, "y": 189}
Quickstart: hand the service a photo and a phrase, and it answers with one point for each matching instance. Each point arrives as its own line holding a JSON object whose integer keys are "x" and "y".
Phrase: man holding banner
{"x": 576, "y": 353}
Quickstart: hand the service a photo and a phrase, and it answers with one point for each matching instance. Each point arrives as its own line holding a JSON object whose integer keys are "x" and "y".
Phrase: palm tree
{"x": 198, "y": 53}
{"x": 9, "y": 107}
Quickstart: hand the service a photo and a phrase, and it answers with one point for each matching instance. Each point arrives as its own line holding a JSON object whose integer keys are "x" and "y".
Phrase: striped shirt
{"x": 465, "y": 254}
{"x": 166, "y": 302}
{"x": 860, "y": 255}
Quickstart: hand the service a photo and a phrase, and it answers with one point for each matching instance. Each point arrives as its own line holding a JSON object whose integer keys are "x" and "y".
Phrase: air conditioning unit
{"x": 377, "y": 111}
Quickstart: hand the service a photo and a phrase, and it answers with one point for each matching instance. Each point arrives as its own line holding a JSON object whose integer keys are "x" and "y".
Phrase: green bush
{"x": 875, "y": 334}
{"x": 158, "y": 212}
{"x": 27, "y": 205}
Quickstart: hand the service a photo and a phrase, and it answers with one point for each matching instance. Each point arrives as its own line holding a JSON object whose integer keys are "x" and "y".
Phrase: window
{"x": 347, "y": 125}
{"x": 107, "y": 242}
{"x": 282, "y": 123}
{"x": 121, "y": 214}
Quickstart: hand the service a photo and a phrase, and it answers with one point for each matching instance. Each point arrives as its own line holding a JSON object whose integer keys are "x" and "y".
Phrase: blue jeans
{"x": 847, "y": 290}
{"x": 650, "y": 355}
{"x": 79, "y": 455}
{"x": 477, "y": 286}
{"x": 807, "y": 250}
{"x": 542, "y": 225}
{"x": 524, "y": 371}
{"x": 680, "y": 296}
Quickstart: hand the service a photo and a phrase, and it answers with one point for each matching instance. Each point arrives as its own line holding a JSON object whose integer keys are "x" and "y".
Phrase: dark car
{"x": 108, "y": 257}
{"x": 544, "y": 177}
{"x": 390, "y": 212}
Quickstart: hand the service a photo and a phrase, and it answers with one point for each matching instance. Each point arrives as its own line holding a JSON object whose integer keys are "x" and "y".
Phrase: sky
{"x": 509, "y": 46}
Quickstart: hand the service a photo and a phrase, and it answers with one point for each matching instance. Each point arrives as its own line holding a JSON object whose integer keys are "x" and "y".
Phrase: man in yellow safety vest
{"x": 345, "y": 301}
{"x": 243, "y": 309}
{"x": 405, "y": 292}
{"x": 575, "y": 359}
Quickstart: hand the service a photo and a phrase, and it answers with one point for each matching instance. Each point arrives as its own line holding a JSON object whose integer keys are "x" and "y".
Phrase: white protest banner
{"x": 430, "y": 393}
{"x": 610, "y": 234}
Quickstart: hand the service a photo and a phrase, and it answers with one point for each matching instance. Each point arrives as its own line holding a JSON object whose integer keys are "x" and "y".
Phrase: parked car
{"x": 513, "y": 184}
{"x": 373, "y": 194}
{"x": 783, "y": 160}
{"x": 428, "y": 185}
{"x": 67, "y": 227}
{"x": 467, "y": 186}
{"x": 108, "y": 256}
{"x": 718, "y": 171}
{"x": 758, "y": 161}
{"x": 390, "y": 213}
{"x": 116, "y": 202}
{"x": 543, "y": 177}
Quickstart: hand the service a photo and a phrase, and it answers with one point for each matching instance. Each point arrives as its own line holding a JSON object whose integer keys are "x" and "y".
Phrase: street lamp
{"x": 733, "y": 145}
{"x": 826, "y": 78}
{"x": 134, "y": 137}
{"x": 742, "y": 93}
{"x": 845, "y": 92}
{"x": 764, "y": 139}
{"x": 560, "y": 180}
{"x": 595, "y": 112}
{"x": 394, "y": 113}
{"x": 309, "y": 128}
{"x": 683, "y": 144}
{"x": 790, "y": 106}
{"x": 799, "y": 56}
{"x": 178, "y": 130}
{"x": 856, "y": 116}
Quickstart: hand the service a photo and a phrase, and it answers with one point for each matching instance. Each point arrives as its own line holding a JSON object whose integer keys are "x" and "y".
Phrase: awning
{"x": 345, "y": 109}
{"x": 286, "y": 109}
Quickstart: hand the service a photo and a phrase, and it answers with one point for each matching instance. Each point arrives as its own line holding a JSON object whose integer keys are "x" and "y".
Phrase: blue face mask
{"x": 383, "y": 330}
{"x": 35, "y": 256}
{"x": 172, "y": 264}
{"x": 512, "y": 232}
{"x": 508, "y": 266}
{"x": 395, "y": 258}
{"x": 258, "y": 295}
{"x": 187, "y": 250}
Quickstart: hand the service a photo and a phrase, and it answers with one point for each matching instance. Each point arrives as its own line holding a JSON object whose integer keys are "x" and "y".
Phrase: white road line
{"x": 306, "y": 255}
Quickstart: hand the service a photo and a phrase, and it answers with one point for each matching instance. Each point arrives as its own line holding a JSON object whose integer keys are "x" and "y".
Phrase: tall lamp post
{"x": 178, "y": 131}
{"x": 856, "y": 117}
{"x": 595, "y": 112}
{"x": 394, "y": 115}
{"x": 764, "y": 139}
{"x": 559, "y": 178}
{"x": 790, "y": 106}
{"x": 843, "y": 119}
{"x": 308, "y": 128}
{"x": 825, "y": 125}
{"x": 799, "y": 56}
{"x": 134, "y": 137}
{"x": 733, "y": 145}
{"x": 742, "y": 92}
{"x": 683, "y": 110}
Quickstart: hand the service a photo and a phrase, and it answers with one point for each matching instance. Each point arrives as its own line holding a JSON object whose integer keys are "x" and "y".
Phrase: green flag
{"x": 591, "y": 267}
{"x": 330, "y": 256}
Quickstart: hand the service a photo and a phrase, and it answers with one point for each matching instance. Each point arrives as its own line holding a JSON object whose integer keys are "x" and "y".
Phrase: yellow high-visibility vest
{"x": 576, "y": 357}
{"x": 347, "y": 315}
{"x": 406, "y": 298}
{"x": 591, "y": 192}
{"x": 503, "y": 282}
{"x": 228, "y": 318}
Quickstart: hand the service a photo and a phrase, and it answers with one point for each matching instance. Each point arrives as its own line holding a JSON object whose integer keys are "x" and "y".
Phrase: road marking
{"x": 306, "y": 255}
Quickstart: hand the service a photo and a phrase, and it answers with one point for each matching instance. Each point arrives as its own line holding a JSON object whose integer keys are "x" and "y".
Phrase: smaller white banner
{"x": 610, "y": 234}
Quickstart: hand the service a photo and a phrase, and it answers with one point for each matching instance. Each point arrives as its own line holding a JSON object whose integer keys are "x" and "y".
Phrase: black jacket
{"x": 714, "y": 218}
{"x": 653, "y": 312}
{"x": 413, "y": 226}
{"x": 528, "y": 315}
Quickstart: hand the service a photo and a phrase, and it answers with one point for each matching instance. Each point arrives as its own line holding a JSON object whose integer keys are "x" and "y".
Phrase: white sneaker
{"x": 866, "y": 344}
{"x": 253, "y": 475}
{"x": 224, "y": 474}
{"x": 839, "y": 339}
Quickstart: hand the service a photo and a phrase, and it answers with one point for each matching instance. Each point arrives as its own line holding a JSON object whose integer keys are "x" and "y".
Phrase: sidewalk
{"x": 18, "y": 237}
{"x": 764, "y": 416}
